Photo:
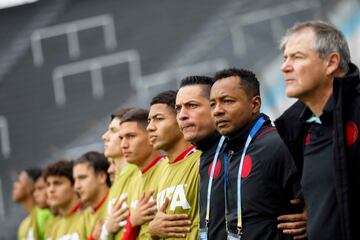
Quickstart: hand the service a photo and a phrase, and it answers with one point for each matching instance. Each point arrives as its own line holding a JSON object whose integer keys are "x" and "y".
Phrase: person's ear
{"x": 332, "y": 63}
{"x": 102, "y": 176}
{"x": 255, "y": 104}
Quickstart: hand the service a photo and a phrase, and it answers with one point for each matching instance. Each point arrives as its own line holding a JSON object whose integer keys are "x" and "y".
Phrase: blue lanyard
{"x": 252, "y": 133}
{"x": 214, "y": 162}
{"x": 226, "y": 163}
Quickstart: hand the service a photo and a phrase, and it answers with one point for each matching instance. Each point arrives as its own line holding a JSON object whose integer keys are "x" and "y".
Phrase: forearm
{"x": 105, "y": 235}
{"x": 131, "y": 232}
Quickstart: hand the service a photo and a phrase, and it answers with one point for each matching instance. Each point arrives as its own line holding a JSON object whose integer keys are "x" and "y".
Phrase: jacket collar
{"x": 351, "y": 79}
{"x": 237, "y": 140}
{"x": 349, "y": 85}
{"x": 207, "y": 143}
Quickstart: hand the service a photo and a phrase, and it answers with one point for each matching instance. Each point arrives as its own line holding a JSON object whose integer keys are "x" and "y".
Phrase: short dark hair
{"x": 97, "y": 161}
{"x": 33, "y": 173}
{"x": 61, "y": 168}
{"x": 204, "y": 81}
{"x": 138, "y": 115}
{"x": 167, "y": 97}
{"x": 120, "y": 113}
{"x": 248, "y": 79}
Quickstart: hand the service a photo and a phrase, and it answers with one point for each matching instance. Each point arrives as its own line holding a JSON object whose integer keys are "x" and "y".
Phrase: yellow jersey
{"x": 119, "y": 189}
{"x": 27, "y": 228}
{"x": 93, "y": 215}
{"x": 33, "y": 226}
{"x": 145, "y": 182}
{"x": 70, "y": 227}
{"x": 180, "y": 183}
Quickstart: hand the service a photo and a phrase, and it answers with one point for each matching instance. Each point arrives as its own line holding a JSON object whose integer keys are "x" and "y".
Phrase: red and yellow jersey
{"x": 180, "y": 183}
{"x": 93, "y": 215}
{"x": 145, "y": 182}
{"x": 119, "y": 189}
{"x": 28, "y": 227}
{"x": 70, "y": 227}
{"x": 33, "y": 226}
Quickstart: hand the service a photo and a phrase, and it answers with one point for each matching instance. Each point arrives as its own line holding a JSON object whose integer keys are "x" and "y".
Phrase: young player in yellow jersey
{"x": 120, "y": 174}
{"x": 178, "y": 187}
{"x": 137, "y": 150}
{"x": 44, "y": 214}
{"x": 92, "y": 186}
{"x": 23, "y": 189}
{"x": 69, "y": 223}
{"x": 112, "y": 148}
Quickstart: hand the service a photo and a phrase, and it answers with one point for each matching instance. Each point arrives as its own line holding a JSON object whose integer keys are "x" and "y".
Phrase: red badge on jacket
{"x": 217, "y": 169}
{"x": 246, "y": 167}
{"x": 307, "y": 139}
{"x": 352, "y": 133}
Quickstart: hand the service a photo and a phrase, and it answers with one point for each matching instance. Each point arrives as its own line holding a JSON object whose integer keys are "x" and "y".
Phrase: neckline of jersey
{"x": 184, "y": 154}
{"x": 156, "y": 160}
{"x": 75, "y": 209}
{"x": 101, "y": 202}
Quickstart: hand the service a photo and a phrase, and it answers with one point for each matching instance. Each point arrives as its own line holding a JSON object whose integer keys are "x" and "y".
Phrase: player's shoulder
{"x": 129, "y": 169}
{"x": 269, "y": 136}
{"x": 269, "y": 141}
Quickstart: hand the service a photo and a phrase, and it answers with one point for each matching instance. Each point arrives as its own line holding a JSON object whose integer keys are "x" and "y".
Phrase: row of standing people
{"x": 228, "y": 173}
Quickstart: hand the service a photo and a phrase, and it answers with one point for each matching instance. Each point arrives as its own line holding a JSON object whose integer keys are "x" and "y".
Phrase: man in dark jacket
{"x": 260, "y": 176}
{"x": 321, "y": 129}
{"x": 194, "y": 119}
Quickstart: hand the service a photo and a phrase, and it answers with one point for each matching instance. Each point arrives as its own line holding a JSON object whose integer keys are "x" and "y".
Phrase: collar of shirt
{"x": 184, "y": 154}
{"x": 238, "y": 139}
{"x": 324, "y": 118}
{"x": 314, "y": 119}
{"x": 93, "y": 210}
{"x": 153, "y": 163}
{"x": 75, "y": 209}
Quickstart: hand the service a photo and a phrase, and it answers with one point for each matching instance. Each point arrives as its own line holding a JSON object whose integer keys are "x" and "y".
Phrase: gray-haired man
{"x": 321, "y": 129}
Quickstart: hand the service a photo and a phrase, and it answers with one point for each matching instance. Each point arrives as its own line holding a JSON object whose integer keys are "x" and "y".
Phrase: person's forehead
{"x": 301, "y": 38}
{"x": 24, "y": 176}
{"x": 131, "y": 127}
{"x": 128, "y": 125}
{"x": 159, "y": 108}
{"x": 227, "y": 81}
{"x": 82, "y": 167}
{"x": 57, "y": 178}
{"x": 190, "y": 93}
{"x": 228, "y": 86}
{"x": 40, "y": 181}
{"x": 115, "y": 122}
